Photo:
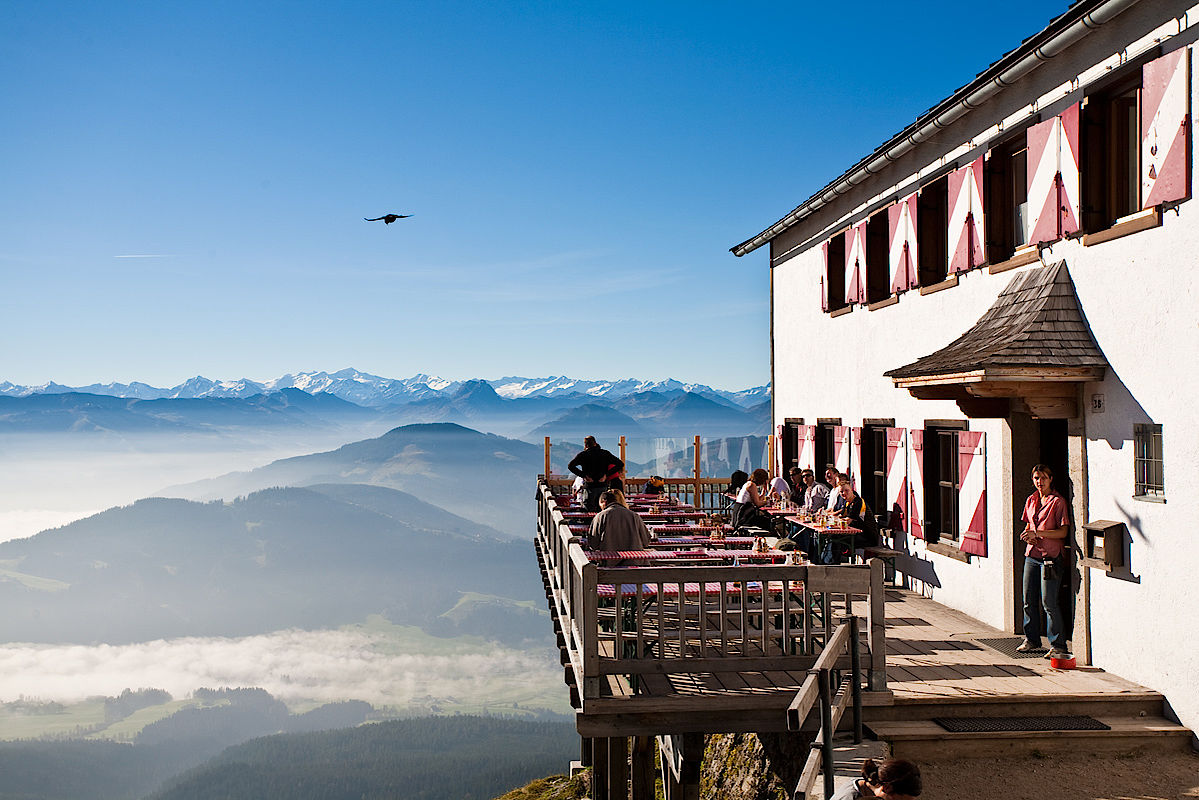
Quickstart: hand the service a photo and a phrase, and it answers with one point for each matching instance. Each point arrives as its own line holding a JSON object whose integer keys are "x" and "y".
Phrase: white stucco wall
{"x": 1140, "y": 294}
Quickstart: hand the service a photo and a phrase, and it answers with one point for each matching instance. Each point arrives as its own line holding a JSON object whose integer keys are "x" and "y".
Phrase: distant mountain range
{"x": 373, "y": 391}
{"x": 658, "y": 413}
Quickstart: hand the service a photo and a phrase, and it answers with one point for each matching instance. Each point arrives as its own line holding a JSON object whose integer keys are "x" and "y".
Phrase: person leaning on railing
{"x": 596, "y": 466}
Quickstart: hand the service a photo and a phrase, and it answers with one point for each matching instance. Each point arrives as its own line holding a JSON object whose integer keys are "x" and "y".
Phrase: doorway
{"x": 1037, "y": 441}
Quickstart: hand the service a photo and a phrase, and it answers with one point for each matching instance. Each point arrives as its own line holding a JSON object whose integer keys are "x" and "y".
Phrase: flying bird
{"x": 388, "y": 218}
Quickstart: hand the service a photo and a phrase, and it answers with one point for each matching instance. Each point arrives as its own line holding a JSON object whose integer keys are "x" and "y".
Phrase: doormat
{"x": 1008, "y": 645}
{"x": 997, "y": 724}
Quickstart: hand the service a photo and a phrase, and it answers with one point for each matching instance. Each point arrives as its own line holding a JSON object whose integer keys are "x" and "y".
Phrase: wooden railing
{"x": 706, "y": 494}
{"x": 738, "y": 618}
{"x": 817, "y": 692}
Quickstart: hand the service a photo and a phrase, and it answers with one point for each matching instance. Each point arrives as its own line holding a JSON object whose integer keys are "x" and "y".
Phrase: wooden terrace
{"x": 678, "y": 650}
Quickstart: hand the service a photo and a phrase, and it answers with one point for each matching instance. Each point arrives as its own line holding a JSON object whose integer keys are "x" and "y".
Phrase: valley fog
{"x": 399, "y": 668}
{"x": 48, "y": 480}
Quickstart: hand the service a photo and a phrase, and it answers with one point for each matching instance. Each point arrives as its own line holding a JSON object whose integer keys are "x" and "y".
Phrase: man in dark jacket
{"x": 596, "y": 466}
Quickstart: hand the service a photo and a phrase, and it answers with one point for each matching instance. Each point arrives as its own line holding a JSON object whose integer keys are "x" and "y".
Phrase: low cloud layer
{"x": 291, "y": 665}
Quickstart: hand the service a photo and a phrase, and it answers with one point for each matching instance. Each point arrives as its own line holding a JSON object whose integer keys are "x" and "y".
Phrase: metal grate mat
{"x": 997, "y": 724}
{"x": 1008, "y": 644}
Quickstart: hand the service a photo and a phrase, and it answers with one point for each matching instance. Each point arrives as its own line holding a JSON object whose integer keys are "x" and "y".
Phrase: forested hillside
{"x": 439, "y": 758}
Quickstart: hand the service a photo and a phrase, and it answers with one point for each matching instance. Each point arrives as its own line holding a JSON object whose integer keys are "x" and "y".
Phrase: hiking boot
{"x": 1027, "y": 647}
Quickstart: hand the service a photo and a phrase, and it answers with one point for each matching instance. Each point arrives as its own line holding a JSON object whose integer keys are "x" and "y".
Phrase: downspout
{"x": 1051, "y": 48}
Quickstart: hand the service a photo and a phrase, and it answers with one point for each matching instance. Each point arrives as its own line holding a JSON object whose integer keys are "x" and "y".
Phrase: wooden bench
{"x": 885, "y": 552}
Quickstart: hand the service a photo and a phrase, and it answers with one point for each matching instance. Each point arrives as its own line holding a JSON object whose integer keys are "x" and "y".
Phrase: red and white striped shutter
{"x": 972, "y": 493}
{"x": 916, "y": 483}
{"x": 1165, "y": 130}
{"x": 823, "y": 284}
{"x": 966, "y": 217}
{"x": 897, "y": 480}
{"x": 1069, "y": 183}
{"x": 1042, "y": 181}
{"x": 901, "y": 226}
{"x": 1053, "y": 177}
{"x": 805, "y": 452}
{"x": 855, "y": 263}
{"x": 777, "y": 462}
{"x": 841, "y": 448}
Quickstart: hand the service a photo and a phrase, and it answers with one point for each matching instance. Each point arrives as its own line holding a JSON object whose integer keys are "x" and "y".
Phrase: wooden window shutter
{"x": 855, "y": 461}
{"x": 1165, "y": 128}
{"x": 805, "y": 452}
{"x": 897, "y": 480}
{"x": 823, "y": 282}
{"x": 916, "y": 484}
{"x": 1053, "y": 178}
{"x": 972, "y": 493}
{"x": 901, "y": 227}
{"x": 966, "y": 229}
{"x": 855, "y": 264}
{"x": 841, "y": 448}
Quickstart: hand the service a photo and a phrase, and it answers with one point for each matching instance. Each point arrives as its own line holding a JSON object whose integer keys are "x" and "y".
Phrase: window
{"x": 826, "y": 447}
{"x": 932, "y": 232}
{"x": 878, "y": 268}
{"x": 1147, "y": 461}
{"x": 941, "y": 486}
{"x": 1111, "y": 155}
{"x": 1006, "y": 197}
{"x": 874, "y": 468}
{"x": 834, "y": 273}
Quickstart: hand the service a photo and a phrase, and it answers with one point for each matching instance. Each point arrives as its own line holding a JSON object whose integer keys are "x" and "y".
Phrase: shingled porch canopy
{"x": 1029, "y": 353}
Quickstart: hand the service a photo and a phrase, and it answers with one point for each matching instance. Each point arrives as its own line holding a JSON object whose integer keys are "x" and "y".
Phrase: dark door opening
{"x": 825, "y": 448}
{"x": 1039, "y": 441}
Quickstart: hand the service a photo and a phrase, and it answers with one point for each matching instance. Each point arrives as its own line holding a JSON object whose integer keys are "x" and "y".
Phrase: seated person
{"x": 751, "y": 499}
{"x": 815, "y": 493}
{"x": 736, "y": 481}
{"x": 780, "y": 490}
{"x": 656, "y": 485}
{"x": 795, "y": 481}
{"x": 859, "y": 515}
{"x": 616, "y": 527}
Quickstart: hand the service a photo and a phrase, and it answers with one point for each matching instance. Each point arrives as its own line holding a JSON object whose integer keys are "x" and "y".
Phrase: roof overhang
{"x": 1031, "y": 352}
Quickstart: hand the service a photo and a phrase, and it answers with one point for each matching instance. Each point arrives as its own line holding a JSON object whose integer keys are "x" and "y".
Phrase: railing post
{"x": 547, "y": 459}
{"x": 855, "y": 671}
{"x": 826, "y": 729}
{"x": 877, "y": 621}
{"x": 698, "y": 471}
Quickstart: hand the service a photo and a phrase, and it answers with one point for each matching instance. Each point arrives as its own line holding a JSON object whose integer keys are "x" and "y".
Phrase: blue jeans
{"x": 1042, "y": 582}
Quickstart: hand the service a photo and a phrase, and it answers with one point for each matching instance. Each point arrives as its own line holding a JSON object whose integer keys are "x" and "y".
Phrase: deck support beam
{"x": 644, "y": 770}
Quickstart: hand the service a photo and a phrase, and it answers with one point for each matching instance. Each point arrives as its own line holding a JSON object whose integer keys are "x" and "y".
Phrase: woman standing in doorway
{"x": 1047, "y": 519}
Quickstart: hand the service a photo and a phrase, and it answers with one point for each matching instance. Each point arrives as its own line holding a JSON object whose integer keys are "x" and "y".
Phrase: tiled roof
{"x": 1036, "y": 322}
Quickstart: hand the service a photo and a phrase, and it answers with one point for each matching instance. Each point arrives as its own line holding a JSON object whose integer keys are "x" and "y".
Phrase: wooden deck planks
{"x": 931, "y": 657}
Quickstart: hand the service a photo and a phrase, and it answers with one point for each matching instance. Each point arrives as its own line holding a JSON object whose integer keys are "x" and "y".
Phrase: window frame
{"x": 1005, "y": 186}
{"x": 936, "y": 487}
{"x": 1147, "y": 453}
{"x": 1110, "y": 153}
{"x": 932, "y": 233}
{"x": 834, "y": 267}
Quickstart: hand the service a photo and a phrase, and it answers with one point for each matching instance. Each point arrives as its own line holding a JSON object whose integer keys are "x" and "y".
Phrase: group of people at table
{"x": 826, "y": 520}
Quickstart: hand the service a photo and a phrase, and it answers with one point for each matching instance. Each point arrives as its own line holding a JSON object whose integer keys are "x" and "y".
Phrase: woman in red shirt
{"x": 1047, "y": 520}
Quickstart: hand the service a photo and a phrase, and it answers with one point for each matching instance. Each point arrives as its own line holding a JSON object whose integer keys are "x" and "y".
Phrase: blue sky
{"x": 183, "y": 184}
